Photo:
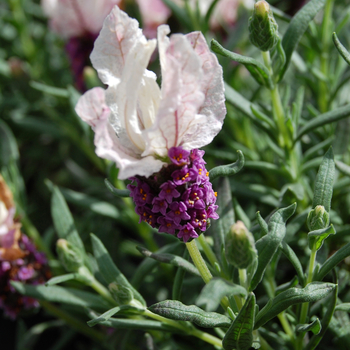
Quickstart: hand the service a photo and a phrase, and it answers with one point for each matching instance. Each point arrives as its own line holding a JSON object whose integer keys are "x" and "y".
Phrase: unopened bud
{"x": 121, "y": 294}
{"x": 240, "y": 246}
{"x": 318, "y": 218}
{"x": 263, "y": 29}
{"x": 90, "y": 77}
{"x": 69, "y": 255}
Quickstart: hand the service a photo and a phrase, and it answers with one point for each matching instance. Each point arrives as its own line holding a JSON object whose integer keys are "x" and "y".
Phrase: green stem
{"x": 76, "y": 324}
{"x": 277, "y": 107}
{"x": 207, "y": 250}
{"x": 286, "y": 326}
{"x": 103, "y": 291}
{"x": 199, "y": 261}
{"x": 305, "y": 306}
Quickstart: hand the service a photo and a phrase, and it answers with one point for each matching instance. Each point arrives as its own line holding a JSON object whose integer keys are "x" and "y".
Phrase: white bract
{"x": 135, "y": 121}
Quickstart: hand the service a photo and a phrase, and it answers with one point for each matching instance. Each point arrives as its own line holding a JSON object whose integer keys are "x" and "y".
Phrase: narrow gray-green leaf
{"x": 227, "y": 170}
{"x": 51, "y": 90}
{"x": 259, "y": 71}
{"x": 108, "y": 314}
{"x": 326, "y": 319}
{"x": 297, "y": 28}
{"x": 262, "y": 223}
{"x": 342, "y": 167}
{"x": 8, "y": 145}
{"x": 341, "y": 49}
{"x": 219, "y": 228}
{"x": 146, "y": 325}
{"x": 215, "y": 290}
{"x": 315, "y": 327}
{"x": 58, "y": 294}
{"x": 343, "y": 307}
{"x": 317, "y": 237}
{"x": 323, "y": 119}
{"x": 109, "y": 270}
{"x": 312, "y": 292}
{"x": 59, "y": 279}
{"x": 334, "y": 260}
{"x": 63, "y": 220}
{"x": 283, "y": 287}
{"x": 170, "y": 259}
{"x": 175, "y": 310}
{"x": 240, "y": 334}
{"x": 292, "y": 257}
{"x": 116, "y": 191}
{"x": 324, "y": 182}
{"x": 268, "y": 244}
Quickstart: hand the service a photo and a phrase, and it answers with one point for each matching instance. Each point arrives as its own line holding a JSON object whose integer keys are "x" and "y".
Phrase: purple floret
{"x": 179, "y": 156}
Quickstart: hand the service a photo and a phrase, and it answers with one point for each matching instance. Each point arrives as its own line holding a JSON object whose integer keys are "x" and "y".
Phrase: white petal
{"x": 3, "y": 212}
{"x": 118, "y": 36}
{"x": 92, "y": 107}
{"x": 212, "y": 85}
{"x": 181, "y": 98}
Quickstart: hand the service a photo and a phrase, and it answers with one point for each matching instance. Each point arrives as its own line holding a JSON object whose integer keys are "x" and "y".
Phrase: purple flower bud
{"x": 187, "y": 231}
{"x": 25, "y": 273}
{"x": 178, "y": 212}
{"x": 178, "y": 156}
{"x": 167, "y": 225}
{"x": 168, "y": 191}
{"x": 184, "y": 175}
{"x": 143, "y": 195}
{"x": 159, "y": 205}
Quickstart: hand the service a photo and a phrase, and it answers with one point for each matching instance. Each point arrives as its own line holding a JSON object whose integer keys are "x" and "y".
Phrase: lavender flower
{"x": 182, "y": 207}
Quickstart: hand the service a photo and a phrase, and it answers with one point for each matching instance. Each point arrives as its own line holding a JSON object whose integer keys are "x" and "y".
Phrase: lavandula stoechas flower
{"x": 19, "y": 259}
{"x": 152, "y": 133}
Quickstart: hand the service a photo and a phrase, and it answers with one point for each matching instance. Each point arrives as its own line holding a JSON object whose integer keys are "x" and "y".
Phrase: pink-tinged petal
{"x": 72, "y": 18}
{"x": 212, "y": 85}
{"x": 153, "y": 13}
{"x": 181, "y": 98}
{"x": 92, "y": 107}
{"x": 119, "y": 35}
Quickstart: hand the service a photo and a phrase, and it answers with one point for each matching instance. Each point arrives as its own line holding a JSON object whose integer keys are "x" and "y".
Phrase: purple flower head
{"x": 184, "y": 175}
{"x": 25, "y": 273}
{"x": 159, "y": 205}
{"x": 197, "y": 154}
{"x": 167, "y": 225}
{"x": 179, "y": 156}
{"x": 178, "y": 212}
{"x": 187, "y": 231}
{"x": 168, "y": 191}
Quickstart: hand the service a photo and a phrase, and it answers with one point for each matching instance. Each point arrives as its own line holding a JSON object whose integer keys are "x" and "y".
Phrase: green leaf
{"x": 267, "y": 245}
{"x": 326, "y": 319}
{"x": 262, "y": 223}
{"x": 315, "y": 327}
{"x": 263, "y": 117}
{"x": 324, "y": 182}
{"x": 219, "y": 228}
{"x": 258, "y": 70}
{"x": 215, "y": 290}
{"x": 148, "y": 265}
{"x": 323, "y": 119}
{"x": 313, "y": 151}
{"x": 334, "y": 260}
{"x": 283, "y": 287}
{"x": 343, "y": 307}
{"x": 343, "y": 168}
{"x": 265, "y": 167}
{"x": 240, "y": 334}
{"x": 175, "y": 310}
{"x": 116, "y": 191}
{"x": 58, "y": 294}
{"x": 8, "y": 145}
{"x": 317, "y": 237}
{"x": 175, "y": 260}
{"x": 59, "y": 279}
{"x": 109, "y": 270}
{"x": 297, "y": 28}
{"x": 292, "y": 257}
{"x": 227, "y": 170}
{"x": 93, "y": 204}
{"x": 145, "y": 325}
{"x": 63, "y": 220}
{"x": 312, "y": 292}
{"x": 341, "y": 49}
{"x": 108, "y": 314}
{"x": 51, "y": 90}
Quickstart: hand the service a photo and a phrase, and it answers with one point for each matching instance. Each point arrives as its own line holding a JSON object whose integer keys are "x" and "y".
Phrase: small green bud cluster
{"x": 263, "y": 29}
{"x": 69, "y": 255}
{"x": 318, "y": 218}
{"x": 121, "y": 294}
{"x": 240, "y": 246}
